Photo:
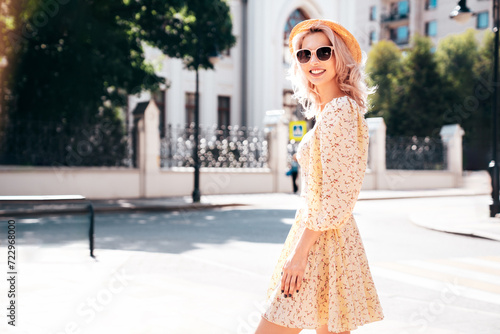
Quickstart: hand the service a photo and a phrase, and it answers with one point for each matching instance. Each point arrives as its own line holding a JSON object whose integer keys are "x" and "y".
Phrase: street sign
{"x": 297, "y": 130}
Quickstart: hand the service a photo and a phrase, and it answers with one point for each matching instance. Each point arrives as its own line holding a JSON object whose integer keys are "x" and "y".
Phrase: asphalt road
{"x": 207, "y": 271}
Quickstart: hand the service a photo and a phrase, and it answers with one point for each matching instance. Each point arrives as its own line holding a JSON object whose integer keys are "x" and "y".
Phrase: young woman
{"x": 322, "y": 280}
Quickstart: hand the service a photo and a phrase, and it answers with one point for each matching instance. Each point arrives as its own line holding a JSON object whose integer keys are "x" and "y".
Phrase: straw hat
{"x": 346, "y": 36}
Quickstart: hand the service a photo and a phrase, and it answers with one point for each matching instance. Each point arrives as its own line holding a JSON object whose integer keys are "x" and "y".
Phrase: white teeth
{"x": 317, "y": 71}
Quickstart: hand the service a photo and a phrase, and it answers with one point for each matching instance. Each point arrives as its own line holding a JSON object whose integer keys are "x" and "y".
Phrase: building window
{"x": 402, "y": 35}
{"x": 430, "y": 4}
{"x": 431, "y": 28}
{"x": 403, "y": 8}
{"x": 373, "y": 37}
{"x": 223, "y": 111}
{"x": 295, "y": 17}
{"x": 190, "y": 105}
{"x": 483, "y": 20}
{"x": 373, "y": 13}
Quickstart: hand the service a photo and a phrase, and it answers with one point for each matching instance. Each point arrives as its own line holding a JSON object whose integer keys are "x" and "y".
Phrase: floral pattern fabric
{"x": 338, "y": 288}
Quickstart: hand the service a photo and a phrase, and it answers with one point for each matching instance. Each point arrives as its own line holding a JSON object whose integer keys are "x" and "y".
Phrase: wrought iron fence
{"x": 415, "y": 153}
{"x": 31, "y": 142}
{"x": 231, "y": 146}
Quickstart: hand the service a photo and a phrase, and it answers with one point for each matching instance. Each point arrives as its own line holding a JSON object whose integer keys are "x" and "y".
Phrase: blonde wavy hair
{"x": 350, "y": 74}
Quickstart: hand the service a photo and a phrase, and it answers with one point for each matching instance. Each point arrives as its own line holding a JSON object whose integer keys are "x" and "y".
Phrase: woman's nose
{"x": 314, "y": 58}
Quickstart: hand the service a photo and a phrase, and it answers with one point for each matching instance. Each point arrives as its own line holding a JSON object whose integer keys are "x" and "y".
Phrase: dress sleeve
{"x": 337, "y": 161}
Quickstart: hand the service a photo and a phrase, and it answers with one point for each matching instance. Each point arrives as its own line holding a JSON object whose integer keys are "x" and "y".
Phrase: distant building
{"x": 398, "y": 21}
{"x": 251, "y": 77}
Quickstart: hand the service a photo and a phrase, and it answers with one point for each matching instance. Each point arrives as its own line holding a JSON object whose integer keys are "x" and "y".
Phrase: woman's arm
{"x": 295, "y": 265}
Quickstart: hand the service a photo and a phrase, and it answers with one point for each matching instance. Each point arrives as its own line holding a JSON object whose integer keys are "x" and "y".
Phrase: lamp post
{"x": 213, "y": 58}
{"x": 196, "y": 191}
{"x": 461, "y": 14}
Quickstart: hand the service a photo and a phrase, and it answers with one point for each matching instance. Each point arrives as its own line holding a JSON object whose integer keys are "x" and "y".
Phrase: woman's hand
{"x": 296, "y": 263}
{"x": 293, "y": 273}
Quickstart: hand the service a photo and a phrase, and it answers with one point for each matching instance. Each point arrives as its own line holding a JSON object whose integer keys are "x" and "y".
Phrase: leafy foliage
{"x": 418, "y": 105}
{"x": 75, "y": 62}
{"x": 384, "y": 65}
{"x": 198, "y": 30}
{"x": 421, "y": 90}
{"x": 466, "y": 69}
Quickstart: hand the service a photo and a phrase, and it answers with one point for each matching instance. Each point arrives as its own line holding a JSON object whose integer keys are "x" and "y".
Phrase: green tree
{"x": 466, "y": 70}
{"x": 71, "y": 67}
{"x": 456, "y": 56}
{"x": 416, "y": 104}
{"x": 198, "y": 30}
{"x": 76, "y": 63}
{"x": 383, "y": 66}
{"x": 422, "y": 91}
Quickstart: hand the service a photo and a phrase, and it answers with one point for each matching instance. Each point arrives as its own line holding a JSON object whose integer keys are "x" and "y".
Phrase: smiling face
{"x": 319, "y": 73}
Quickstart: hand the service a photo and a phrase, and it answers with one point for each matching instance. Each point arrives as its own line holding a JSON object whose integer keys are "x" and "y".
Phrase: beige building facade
{"x": 249, "y": 79}
{"x": 400, "y": 20}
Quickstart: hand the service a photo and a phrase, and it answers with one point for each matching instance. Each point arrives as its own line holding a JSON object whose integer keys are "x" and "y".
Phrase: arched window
{"x": 292, "y": 109}
{"x": 295, "y": 17}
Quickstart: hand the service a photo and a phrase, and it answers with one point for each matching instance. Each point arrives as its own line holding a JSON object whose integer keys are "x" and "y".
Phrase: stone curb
{"x": 421, "y": 194}
{"x": 462, "y": 229}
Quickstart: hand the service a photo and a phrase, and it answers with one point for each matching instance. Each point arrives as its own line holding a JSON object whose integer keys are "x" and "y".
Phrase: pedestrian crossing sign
{"x": 297, "y": 130}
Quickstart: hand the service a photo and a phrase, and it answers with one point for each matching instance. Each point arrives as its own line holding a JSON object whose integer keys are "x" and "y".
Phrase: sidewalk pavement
{"x": 471, "y": 220}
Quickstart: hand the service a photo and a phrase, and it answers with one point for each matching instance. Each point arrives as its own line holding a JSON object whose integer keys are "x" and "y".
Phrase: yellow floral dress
{"x": 338, "y": 288}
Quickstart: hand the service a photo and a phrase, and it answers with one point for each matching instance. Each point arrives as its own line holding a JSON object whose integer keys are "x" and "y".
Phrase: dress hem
{"x": 341, "y": 330}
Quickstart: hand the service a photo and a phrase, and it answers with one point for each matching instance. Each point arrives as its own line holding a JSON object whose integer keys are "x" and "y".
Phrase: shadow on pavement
{"x": 168, "y": 232}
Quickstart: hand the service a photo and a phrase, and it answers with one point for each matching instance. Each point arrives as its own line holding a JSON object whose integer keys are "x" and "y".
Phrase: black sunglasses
{"x": 323, "y": 53}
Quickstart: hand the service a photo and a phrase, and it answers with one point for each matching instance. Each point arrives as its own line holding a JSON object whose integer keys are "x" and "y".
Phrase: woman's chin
{"x": 319, "y": 81}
